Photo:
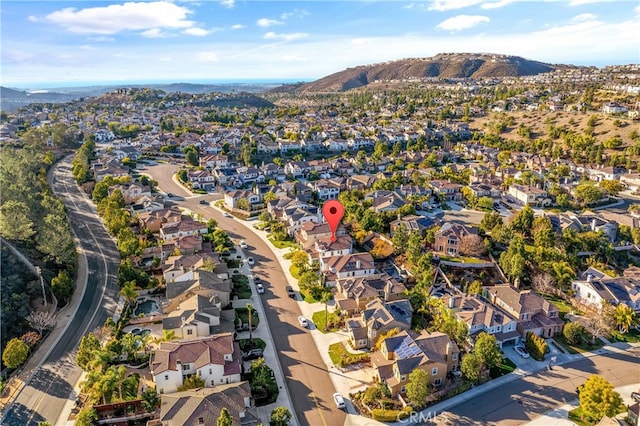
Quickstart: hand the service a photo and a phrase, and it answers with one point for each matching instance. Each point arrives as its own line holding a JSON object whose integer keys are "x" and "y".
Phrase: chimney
{"x": 183, "y": 320}
{"x": 589, "y": 278}
{"x": 358, "y": 264}
{"x": 452, "y": 302}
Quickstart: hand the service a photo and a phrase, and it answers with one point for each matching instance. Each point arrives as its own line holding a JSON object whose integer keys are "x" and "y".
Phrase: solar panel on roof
{"x": 407, "y": 348}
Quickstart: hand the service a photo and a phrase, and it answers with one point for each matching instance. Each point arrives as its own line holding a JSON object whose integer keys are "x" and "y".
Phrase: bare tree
{"x": 40, "y": 321}
{"x": 543, "y": 282}
{"x": 472, "y": 245}
{"x": 599, "y": 324}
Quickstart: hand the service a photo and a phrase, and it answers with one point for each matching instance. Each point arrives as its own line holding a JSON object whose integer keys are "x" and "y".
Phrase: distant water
{"x": 84, "y": 84}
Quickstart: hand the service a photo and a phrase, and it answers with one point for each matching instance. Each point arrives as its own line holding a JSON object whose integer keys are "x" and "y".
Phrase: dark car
{"x": 252, "y": 354}
{"x": 170, "y": 195}
{"x": 290, "y": 292}
{"x": 203, "y": 202}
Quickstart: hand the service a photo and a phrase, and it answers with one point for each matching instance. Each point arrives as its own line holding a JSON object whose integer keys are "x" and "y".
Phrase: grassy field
{"x": 341, "y": 357}
{"x": 281, "y": 244}
{"x": 318, "y": 320}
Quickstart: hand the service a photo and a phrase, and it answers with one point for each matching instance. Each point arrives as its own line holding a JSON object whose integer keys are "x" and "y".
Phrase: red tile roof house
{"x": 215, "y": 359}
{"x": 399, "y": 355}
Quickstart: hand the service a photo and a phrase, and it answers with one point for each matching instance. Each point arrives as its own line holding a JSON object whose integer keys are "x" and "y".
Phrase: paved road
{"x": 45, "y": 395}
{"x": 306, "y": 374}
{"x": 524, "y": 399}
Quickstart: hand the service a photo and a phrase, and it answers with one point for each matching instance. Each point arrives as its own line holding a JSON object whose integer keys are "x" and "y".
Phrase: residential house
{"x": 401, "y": 354}
{"x": 201, "y": 179}
{"x": 449, "y": 238}
{"x": 131, "y": 191}
{"x": 535, "y": 314}
{"x": 185, "y": 227}
{"x": 195, "y": 317}
{"x": 613, "y": 108}
{"x": 198, "y": 407}
{"x": 412, "y": 223}
{"x": 231, "y": 198}
{"x": 377, "y": 318}
{"x": 361, "y": 182}
{"x": 310, "y": 232}
{"x": 481, "y": 316}
{"x": 447, "y": 190}
{"x": 154, "y": 220}
{"x": 215, "y": 359}
{"x": 593, "y": 288}
{"x": 529, "y": 195}
{"x": 176, "y": 266}
{"x": 589, "y": 221}
{"x": 353, "y": 294}
{"x": 325, "y": 189}
{"x": 326, "y": 247}
{"x": 350, "y": 266}
{"x": 386, "y": 201}
{"x": 197, "y": 282}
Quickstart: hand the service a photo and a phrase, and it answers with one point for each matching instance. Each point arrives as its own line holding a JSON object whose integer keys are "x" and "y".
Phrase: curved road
{"x": 307, "y": 378}
{"x": 51, "y": 384}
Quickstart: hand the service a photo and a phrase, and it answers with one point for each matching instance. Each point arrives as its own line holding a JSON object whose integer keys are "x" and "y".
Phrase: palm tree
{"x": 326, "y": 297}
{"x": 250, "y": 309}
{"x": 624, "y": 317}
{"x": 129, "y": 293}
{"x": 563, "y": 273}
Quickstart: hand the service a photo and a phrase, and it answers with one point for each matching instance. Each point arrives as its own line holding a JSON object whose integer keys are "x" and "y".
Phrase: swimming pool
{"x": 146, "y": 307}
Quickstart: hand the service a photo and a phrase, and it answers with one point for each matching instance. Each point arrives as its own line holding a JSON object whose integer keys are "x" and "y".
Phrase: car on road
{"x": 252, "y": 354}
{"x": 250, "y": 261}
{"x": 339, "y": 400}
{"x": 225, "y": 214}
{"x": 170, "y": 195}
{"x": 243, "y": 244}
{"x": 203, "y": 202}
{"x": 520, "y": 350}
{"x": 303, "y": 321}
{"x": 290, "y": 292}
{"x": 635, "y": 396}
{"x": 260, "y": 288}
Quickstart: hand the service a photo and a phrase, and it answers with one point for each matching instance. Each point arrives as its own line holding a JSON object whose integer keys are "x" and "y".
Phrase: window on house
{"x": 403, "y": 378}
{"x": 434, "y": 371}
{"x": 166, "y": 377}
{"x": 185, "y": 367}
{"x": 403, "y": 389}
{"x": 454, "y": 356}
{"x": 210, "y": 371}
{"x": 189, "y": 332}
{"x": 221, "y": 380}
{"x": 437, "y": 382}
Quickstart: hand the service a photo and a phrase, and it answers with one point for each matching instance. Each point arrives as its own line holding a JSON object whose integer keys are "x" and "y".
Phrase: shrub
{"x": 383, "y": 415}
{"x": 536, "y": 346}
{"x": 572, "y": 332}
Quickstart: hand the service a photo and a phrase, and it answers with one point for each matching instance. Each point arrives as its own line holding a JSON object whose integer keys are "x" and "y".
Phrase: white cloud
{"x": 266, "y": 22}
{"x": 497, "y": 4}
{"x": 228, "y": 3}
{"x": 198, "y": 32}
{"x": 207, "y": 57}
{"x": 115, "y": 18}
{"x": 462, "y": 22}
{"x": 238, "y": 27}
{"x": 295, "y": 13}
{"x": 584, "y": 17}
{"x": 154, "y": 33}
{"x": 444, "y": 5}
{"x": 285, "y": 37}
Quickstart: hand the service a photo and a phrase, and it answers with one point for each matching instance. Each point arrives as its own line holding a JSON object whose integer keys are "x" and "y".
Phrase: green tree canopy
{"x": 598, "y": 399}
{"x": 15, "y": 353}
{"x": 418, "y": 387}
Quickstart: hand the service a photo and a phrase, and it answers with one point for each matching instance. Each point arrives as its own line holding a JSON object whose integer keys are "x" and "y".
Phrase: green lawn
{"x": 633, "y": 336}
{"x": 341, "y": 357}
{"x": 332, "y": 317}
{"x": 462, "y": 259}
{"x": 564, "y": 306}
{"x": 281, "y": 244}
{"x": 584, "y": 345}
{"x": 507, "y": 366}
{"x": 308, "y": 297}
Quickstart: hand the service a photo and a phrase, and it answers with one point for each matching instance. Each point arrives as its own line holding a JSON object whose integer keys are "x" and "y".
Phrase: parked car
{"x": 635, "y": 396}
{"x": 303, "y": 321}
{"x": 339, "y": 400}
{"x": 170, "y": 195}
{"x": 290, "y": 292}
{"x": 243, "y": 244}
{"x": 252, "y": 354}
{"x": 225, "y": 214}
{"x": 520, "y": 350}
{"x": 250, "y": 261}
{"x": 260, "y": 288}
{"x": 203, "y": 202}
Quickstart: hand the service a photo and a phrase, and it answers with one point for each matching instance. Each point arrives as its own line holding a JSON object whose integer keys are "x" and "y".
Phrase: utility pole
{"x": 44, "y": 293}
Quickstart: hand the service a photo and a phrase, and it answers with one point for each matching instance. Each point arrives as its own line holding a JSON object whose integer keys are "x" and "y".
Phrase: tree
{"x": 89, "y": 345}
{"x": 87, "y": 417}
{"x": 472, "y": 245}
{"x": 224, "y": 419}
{"x": 300, "y": 259}
{"x": 15, "y": 353}
{"x": 471, "y": 367}
{"x": 326, "y": 297}
{"x": 62, "y": 286}
{"x": 418, "y": 387}
{"x": 129, "y": 293}
{"x": 489, "y": 221}
{"x": 613, "y": 187}
{"x": 587, "y": 193}
{"x": 243, "y": 204}
{"x": 308, "y": 280}
{"x": 191, "y": 382}
{"x": 15, "y": 223}
{"x": 150, "y": 399}
{"x": 400, "y": 239}
{"x": 250, "y": 312}
{"x": 41, "y": 321}
{"x": 572, "y": 332}
{"x": 488, "y": 350}
{"x": 512, "y": 261}
{"x": 542, "y": 282}
{"x": 523, "y": 221}
{"x": 598, "y": 399}
{"x": 624, "y": 317}
{"x": 31, "y": 338}
{"x": 563, "y": 273}
{"x": 280, "y": 416}
{"x": 542, "y": 232}
{"x": 598, "y": 324}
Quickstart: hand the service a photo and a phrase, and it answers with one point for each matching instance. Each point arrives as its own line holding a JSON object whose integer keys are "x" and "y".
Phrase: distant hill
{"x": 444, "y": 65}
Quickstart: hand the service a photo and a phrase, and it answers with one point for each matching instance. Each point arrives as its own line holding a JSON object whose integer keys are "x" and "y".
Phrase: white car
{"x": 250, "y": 261}
{"x": 260, "y": 288}
{"x": 520, "y": 350}
{"x": 303, "y": 321}
{"x": 339, "y": 400}
{"x": 243, "y": 244}
{"x": 225, "y": 214}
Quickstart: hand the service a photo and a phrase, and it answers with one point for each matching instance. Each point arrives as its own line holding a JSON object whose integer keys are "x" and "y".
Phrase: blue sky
{"x": 76, "y": 42}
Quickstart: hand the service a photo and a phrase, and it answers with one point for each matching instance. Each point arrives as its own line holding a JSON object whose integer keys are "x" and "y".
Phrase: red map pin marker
{"x": 333, "y": 211}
